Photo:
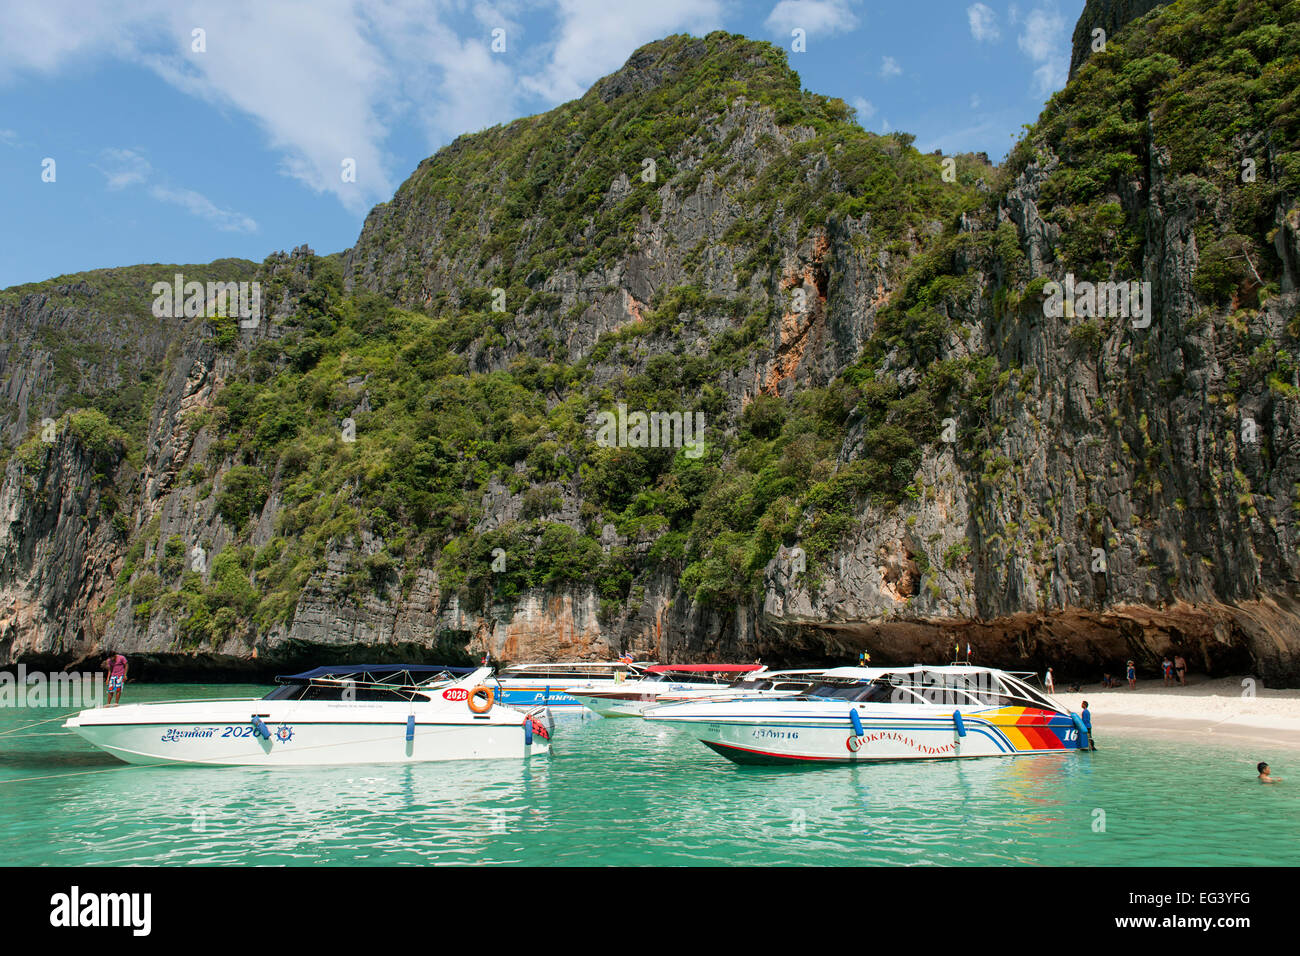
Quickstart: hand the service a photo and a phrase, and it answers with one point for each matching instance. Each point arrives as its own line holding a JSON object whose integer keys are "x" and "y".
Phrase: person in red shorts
{"x": 115, "y": 666}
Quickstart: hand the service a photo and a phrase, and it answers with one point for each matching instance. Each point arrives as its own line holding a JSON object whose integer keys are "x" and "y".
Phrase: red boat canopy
{"x": 703, "y": 668}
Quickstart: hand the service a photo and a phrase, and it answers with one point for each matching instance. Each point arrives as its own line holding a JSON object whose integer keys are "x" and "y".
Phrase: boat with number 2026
{"x": 328, "y": 716}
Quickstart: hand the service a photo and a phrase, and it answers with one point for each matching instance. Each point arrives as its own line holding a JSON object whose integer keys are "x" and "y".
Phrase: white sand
{"x": 1224, "y": 709}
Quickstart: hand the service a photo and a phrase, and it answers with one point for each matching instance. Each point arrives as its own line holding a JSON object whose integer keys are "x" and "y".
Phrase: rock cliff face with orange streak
{"x": 804, "y": 327}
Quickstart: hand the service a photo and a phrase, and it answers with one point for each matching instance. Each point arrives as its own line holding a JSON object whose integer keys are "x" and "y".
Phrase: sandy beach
{"x": 1223, "y": 709}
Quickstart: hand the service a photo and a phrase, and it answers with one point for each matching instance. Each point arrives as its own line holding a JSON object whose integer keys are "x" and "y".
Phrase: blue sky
{"x": 176, "y": 146}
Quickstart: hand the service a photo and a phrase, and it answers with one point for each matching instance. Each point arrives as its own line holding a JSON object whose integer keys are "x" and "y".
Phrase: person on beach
{"x": 1265, "y": 776}
{"x": 1086, "y": 716}
{"x": 1167, "y": 668}
{"x": 115, "y": 666}
{"x": 1180, "y": 666}
{"x": 1048, "y": 682}
{"x": 1132, "y": 675}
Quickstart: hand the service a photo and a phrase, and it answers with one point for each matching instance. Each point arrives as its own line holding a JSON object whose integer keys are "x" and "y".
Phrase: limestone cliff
{"x": 908, "y": 447}
{"x": 1109, "y": 16}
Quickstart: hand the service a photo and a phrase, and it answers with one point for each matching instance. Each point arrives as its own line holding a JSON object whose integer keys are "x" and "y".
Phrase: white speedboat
{"x": 532, "y": 685}
{"x": 631, "y": 697}
{"x": 328, "y": 716}
{"x": 759, "y": 683}
{"x": 885, "y": 713}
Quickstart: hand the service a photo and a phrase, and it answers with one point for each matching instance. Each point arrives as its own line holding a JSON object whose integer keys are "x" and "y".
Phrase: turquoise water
{"x": 628, "y": 792}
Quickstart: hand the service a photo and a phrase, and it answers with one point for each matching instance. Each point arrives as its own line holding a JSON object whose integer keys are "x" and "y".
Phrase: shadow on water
{"x": 55, "y": 761}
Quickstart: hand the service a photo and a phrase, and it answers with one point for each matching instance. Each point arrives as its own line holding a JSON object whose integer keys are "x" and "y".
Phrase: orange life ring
{"x": 474, "y": 695}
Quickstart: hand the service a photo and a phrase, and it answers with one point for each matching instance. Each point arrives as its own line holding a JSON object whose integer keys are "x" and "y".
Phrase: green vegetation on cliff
{"x": 98, "y": 344}
{"x": 1215, "y": 86}
{"x": 383, "y": 434}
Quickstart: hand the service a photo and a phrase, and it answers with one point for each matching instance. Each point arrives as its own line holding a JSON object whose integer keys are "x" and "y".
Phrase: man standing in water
{"x": 1265, "y": 776}
{"x": 115, "y": 665}
{"x": 1086, "y": 716}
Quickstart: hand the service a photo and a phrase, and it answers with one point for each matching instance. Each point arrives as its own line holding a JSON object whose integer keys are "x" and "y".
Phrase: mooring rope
{"x": 5, "y": 733}
{"x": 74, "y": 773}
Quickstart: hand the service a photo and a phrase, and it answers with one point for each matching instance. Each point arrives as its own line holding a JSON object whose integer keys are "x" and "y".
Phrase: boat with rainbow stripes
{"x": 858, "y": 714}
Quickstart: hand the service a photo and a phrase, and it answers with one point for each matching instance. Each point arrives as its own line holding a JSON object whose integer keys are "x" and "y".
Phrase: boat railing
{"x": 198, "y": 700}
{"x": 346, "y": 682}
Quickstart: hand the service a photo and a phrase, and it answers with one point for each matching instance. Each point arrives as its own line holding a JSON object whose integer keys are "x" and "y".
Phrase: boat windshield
{"x": 872, "y": 691}
{"x": 344, "y": 690}
{"x": 941, "y": 688}
{"x": 566, "y": 673}
{"x": 687, "y": 677}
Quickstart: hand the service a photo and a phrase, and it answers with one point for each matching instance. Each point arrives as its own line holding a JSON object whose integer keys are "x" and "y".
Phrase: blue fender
{"x": 1083, "y": 728}
{"x": 857, "y": 722}
{"x": 528, "y": 731}
{"x": 410, "y": 727}
{"x": 959, "y": 723}
{"x": 260, "y": 728}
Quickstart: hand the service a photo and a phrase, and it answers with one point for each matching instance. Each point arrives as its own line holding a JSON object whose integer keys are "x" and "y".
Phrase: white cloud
{"x": 814, "y": 16}
{"x": 308, "y": 75}
{"x": 1046, "y": 41}
{"x": 41, "y": 35}
{"x": 1041, "y": 33}
{"x": 306, "y": 71}
{"x": 446, "y": 83}
{"x": 197, "y": 204}
{"x": 129, "y": 167}
{"x": 974, "y": 101}
{"x": 324, "y": 80}
{"x": 889, "y": 67}
{"x": 866, "y": 109}
{"x": 125, "y": 167}
{"x": 595, "y": 37}
{"x": 983, "y": 23}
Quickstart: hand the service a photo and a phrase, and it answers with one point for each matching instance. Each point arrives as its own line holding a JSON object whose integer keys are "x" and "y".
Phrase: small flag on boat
{"x": 483, "y": 663}
{"x": 968, "y": 650}
{"x": 625, "y": 659}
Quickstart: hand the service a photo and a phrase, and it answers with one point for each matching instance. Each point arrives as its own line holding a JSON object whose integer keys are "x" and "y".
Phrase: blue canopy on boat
{"x": 373, "y": 671}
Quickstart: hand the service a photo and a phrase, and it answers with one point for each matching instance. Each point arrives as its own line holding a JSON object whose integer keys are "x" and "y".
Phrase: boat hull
{"x": 633, "y": 701}
{"x": 789, "y": 739}
{"x": 365, "y": 734}
{"x": 557, "y": 699}
{"x": 608, "y": 705}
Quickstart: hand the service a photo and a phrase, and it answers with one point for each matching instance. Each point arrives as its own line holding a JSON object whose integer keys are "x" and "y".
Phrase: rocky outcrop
{"x": 1108, "y": 16}
{"x": 57, "y": 551}
{"x": 812, "y": 337}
